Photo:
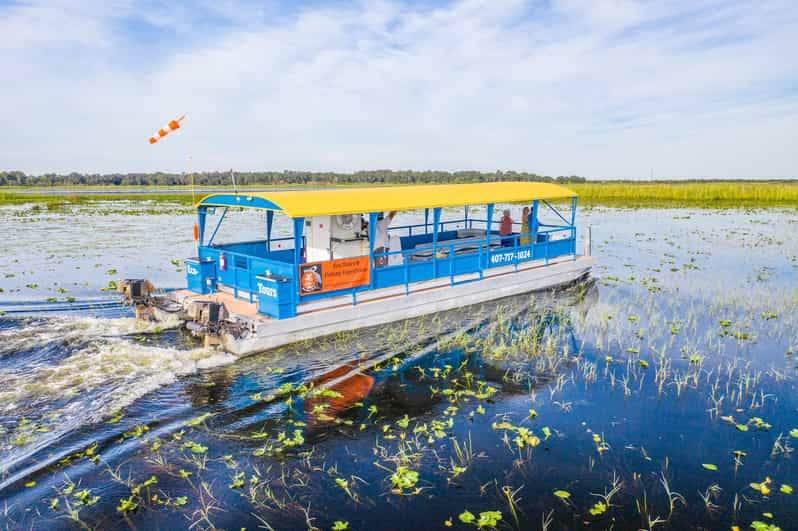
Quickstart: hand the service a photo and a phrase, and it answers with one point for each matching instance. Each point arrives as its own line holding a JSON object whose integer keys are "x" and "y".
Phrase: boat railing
{"x": 262, "y": 245}
{"x": 242, "y": 268}
{"x": 448, "y": 258}
{"x": 457, "y": 257}
{"x": 427, "y": 226}
{"x": 465, "y": 223}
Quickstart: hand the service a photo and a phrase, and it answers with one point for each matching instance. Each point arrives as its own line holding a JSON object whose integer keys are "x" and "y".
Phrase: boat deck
{"x": 233, "y": 305}
{"x": 386, "y": 306}
{"x": 243, "y": 308}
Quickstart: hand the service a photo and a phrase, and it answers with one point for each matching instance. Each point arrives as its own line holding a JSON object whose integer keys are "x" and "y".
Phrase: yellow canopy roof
{"x": 333, "y": 201}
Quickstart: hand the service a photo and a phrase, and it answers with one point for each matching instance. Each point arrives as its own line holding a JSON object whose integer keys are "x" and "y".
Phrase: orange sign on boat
{"x": 344, "y": 273}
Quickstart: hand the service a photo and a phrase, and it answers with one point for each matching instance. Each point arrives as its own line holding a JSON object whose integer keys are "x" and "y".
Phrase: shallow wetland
{"x": 661, "y": 394}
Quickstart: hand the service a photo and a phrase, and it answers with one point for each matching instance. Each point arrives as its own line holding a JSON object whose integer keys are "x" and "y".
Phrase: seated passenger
{"x": 506, "y": 229}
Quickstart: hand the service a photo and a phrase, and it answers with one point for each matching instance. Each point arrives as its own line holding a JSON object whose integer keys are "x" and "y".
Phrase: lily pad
{"x": 466, "y": 517}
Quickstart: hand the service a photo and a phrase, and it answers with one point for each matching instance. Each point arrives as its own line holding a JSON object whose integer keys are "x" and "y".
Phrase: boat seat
{"x": 425, "y": 253}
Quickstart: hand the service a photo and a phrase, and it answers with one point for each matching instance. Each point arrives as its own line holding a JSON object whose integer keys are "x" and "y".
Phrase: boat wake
{"x": 60, "y": 374}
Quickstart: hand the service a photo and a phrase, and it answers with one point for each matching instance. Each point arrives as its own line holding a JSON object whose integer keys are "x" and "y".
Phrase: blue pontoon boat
{"x": 349, "y": 263}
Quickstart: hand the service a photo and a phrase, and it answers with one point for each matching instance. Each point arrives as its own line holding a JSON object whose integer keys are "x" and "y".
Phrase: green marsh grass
{"x": 720, "y": 194}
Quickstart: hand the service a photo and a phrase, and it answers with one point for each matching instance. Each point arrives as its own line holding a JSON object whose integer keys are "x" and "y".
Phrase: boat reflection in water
{"x": 513, "y": 346}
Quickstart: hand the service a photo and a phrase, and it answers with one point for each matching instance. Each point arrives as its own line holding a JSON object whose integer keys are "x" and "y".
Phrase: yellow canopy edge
{"x": 334, "y": 201}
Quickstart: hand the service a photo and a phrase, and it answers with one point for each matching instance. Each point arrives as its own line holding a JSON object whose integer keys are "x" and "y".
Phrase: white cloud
{"x": 601, "y": 89}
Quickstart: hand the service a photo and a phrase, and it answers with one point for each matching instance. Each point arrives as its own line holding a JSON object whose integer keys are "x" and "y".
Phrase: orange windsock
{"x": 165, "y": 130}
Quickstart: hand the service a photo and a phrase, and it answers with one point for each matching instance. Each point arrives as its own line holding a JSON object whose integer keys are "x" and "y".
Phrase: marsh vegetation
{"x": 666, "y": 194}
{"x": 660, "y": 395}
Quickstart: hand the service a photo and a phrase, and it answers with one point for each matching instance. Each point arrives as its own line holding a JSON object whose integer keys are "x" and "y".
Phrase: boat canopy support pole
{"x": 436, "y": 219}
{"x": 573, "y": 226}
{"x": 465, "y": 216}
{"x": 588, "y": 240}
{"x": 426, "y": 221}
{"x": 556, "y": 212}
{"x": 489, "y": 225}
{"x": 269, "y": 224}
{"x": 299, "y": 225}
{"x": 533, "y": 226}
{"x": 372, "y": 234}
{"x": 202, "y": 212}
{"x": 573, "y": 211}
{"x": 219, "y": 224}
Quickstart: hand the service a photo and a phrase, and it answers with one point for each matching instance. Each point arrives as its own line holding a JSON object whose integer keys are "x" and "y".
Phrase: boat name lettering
{"x": 192, "y": 270}
{"x": 265, "y": 290}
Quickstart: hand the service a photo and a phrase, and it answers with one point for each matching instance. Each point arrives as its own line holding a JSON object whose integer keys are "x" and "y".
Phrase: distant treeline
{"x": 16, "y": 178}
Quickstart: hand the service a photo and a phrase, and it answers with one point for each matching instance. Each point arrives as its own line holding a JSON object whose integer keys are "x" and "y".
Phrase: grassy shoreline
{"x": 712, "y": 194}
{"x": 721, "y": 194}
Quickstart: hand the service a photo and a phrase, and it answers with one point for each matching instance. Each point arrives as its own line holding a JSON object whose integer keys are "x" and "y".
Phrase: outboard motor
{"x": 137, "y": 293}
{"x": 135, "y": 290}
{"x": 207, "y": 319}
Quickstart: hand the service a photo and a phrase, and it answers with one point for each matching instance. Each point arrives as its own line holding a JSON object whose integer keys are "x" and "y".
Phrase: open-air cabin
{"x": 337, "y": 245}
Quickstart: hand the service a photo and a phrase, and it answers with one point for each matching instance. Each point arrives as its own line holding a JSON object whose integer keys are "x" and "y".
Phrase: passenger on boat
{"x": 525, "y": 239}
{"x": 506, "y": 229}
{"x": 382, "y": 238}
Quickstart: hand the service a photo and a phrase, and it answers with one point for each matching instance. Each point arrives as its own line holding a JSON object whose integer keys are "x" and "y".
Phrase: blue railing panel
{"x": 454, "y": 259}
{"x": 419, "y": 271}
{"x": 385, "y": 277}
{"x": 465, "y": 264}
{"x": 241, "y": 268}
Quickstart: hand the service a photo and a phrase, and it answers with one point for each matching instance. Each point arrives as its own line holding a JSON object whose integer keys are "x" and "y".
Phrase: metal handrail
{"x": 480, "y": 245}
{"x": 482, "y": 249}
{"x": 221, "y": 245}
{"x": 473, "y": 242}
{"x": 467, "y": 224}
{"x": 249, "y": 259}
{"x": 410, "y": 227}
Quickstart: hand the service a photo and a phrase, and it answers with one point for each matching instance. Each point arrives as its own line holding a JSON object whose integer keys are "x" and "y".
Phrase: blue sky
{"x": 688, "y": 89}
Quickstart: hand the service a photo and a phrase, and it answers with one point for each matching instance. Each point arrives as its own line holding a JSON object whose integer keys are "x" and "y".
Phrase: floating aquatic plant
{"x": 763, "y": 488}
{"x": 757, "y": 525}
{"x": 598, "y": 509}
{"x": 404, "y": 479}
{"x": 127, "y": 505}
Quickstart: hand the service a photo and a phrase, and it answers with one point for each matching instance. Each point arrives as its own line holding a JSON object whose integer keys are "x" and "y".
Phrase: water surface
{"x": 653, "y": 396}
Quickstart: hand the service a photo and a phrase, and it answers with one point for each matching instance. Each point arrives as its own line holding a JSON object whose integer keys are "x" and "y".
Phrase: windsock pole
{"x": 193, "y": 202}
{"x": 161, "y": 133}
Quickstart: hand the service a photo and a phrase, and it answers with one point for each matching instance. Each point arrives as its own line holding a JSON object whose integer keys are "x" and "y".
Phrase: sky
{"x": 600, "y": 89}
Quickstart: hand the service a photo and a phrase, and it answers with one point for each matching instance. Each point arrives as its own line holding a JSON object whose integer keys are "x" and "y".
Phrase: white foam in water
{"x": 104, "y": 373}
{"x": 71, "y": 329}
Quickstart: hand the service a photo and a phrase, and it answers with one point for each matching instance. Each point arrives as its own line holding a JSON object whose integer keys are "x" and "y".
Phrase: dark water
{"x": 662, "y": 388}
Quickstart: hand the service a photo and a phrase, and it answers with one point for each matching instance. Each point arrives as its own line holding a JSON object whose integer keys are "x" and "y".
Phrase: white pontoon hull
{"x": 382, "y": 308}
